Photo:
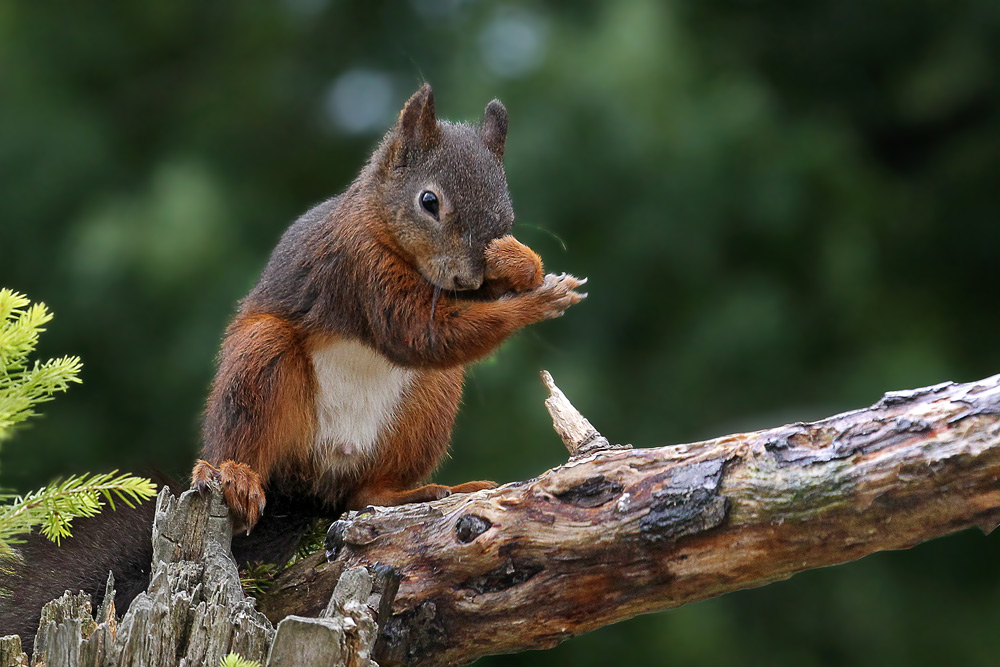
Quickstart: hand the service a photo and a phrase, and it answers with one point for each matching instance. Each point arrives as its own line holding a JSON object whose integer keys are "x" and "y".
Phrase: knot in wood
{"x": 335, "y": 539}
{"x": 593, "y": 492}
{"x": 470, "y": 526}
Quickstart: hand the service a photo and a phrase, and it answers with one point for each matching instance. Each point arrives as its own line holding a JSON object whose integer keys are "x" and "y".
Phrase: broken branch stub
{"x": 575, "y": 430}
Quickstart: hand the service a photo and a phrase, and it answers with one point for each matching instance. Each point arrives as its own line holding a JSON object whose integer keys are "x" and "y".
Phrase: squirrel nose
{"x": 465, "y": 282}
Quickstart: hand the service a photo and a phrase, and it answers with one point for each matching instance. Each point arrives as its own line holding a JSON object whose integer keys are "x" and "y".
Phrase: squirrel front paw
{"x": 511, "y": 266}
{"x": 556, "y": 294}
{"x": 241, "y": 487}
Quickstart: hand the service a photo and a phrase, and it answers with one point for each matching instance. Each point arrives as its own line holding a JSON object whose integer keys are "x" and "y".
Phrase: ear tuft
{"x": 494, "y": 130}
{"x": 417, "y": 125}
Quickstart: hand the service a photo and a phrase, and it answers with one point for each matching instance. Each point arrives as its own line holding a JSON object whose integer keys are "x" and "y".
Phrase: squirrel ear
{"x": 417, "y": 125}
{"x": 494, "y": 130}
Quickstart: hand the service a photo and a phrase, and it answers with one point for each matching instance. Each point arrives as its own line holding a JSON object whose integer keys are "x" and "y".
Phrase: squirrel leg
{"x": 260, "y": 412}
{"x": 472, "y": 487}
{"x": 412, "y": 449}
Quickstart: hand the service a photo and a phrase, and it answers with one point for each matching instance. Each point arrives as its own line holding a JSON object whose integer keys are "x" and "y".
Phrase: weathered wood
{"x": 573, "y": 428}
{"x": 306, "y": 642}
{"x": 343, "y": 635}
{"x": 11, "y": 654}
{"x": 193, "y": 613}
{"x": 607, "y": 536}
{"x": 194, "y": 593}
{"x": 619, "y": 533}
{"x": 70, "y": 610}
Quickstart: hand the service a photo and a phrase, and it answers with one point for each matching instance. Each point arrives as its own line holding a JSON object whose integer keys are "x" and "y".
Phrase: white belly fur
{"x": 358, "y": 394}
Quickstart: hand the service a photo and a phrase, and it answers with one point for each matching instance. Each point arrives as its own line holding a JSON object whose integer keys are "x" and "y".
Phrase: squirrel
{"x": 340, "y": 376}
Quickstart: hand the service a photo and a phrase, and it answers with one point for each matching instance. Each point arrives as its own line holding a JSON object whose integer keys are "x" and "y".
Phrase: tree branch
{"x": 613, "y": 534}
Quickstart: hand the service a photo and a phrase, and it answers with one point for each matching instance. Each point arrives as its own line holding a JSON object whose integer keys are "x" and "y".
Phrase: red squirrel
{"x": 341, "y": 374}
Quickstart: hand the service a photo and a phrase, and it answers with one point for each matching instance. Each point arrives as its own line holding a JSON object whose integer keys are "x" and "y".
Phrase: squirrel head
{"x": 444, "y": 191}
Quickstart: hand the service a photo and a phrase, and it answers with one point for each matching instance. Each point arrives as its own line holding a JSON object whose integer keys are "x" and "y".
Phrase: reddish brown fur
{"x": 512, "y": 266}
{"x": 266, "y": 387}
{"x": 241, "y": 486}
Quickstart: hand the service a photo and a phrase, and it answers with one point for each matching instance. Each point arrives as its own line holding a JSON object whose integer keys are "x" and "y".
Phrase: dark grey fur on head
{"x": 462, "y": 165}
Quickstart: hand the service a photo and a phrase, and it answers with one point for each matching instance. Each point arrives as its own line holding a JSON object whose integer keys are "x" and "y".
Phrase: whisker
{"x": 551, "y": 233}
{"x": 434, "y": 303}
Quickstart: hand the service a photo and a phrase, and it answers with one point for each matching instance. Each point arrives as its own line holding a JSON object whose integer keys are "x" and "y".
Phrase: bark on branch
{"x": 613, "y": 533}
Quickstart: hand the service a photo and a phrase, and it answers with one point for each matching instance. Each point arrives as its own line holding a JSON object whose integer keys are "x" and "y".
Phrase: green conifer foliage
{"x": 235, "y": 660}
{"x": 23, "y": 385}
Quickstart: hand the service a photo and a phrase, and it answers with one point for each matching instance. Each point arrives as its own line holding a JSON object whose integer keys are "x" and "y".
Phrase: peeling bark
{"x": 613, "y": 533}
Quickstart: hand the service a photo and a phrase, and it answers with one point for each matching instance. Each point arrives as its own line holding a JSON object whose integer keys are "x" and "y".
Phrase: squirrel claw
{"x": 556, "y": 294}
{"x": 202, "y": 474}
{"x": 439, "y": 491}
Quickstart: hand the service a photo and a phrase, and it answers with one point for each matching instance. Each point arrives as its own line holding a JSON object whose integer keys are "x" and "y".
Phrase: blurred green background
{"x": 784, "y": 209}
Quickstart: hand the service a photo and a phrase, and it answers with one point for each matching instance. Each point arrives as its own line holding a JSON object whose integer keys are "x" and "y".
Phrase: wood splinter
{"x": 575, "y": 430}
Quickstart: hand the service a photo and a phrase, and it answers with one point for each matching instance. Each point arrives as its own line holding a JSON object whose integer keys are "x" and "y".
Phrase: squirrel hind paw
{"x": 472, "y": 487}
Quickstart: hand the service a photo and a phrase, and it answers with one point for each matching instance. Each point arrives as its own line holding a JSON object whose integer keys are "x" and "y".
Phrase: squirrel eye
{"x": 429, "y": 202}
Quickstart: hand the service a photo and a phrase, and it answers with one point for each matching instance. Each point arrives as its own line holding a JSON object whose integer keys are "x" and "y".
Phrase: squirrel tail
{"x": 114, "y": 541}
